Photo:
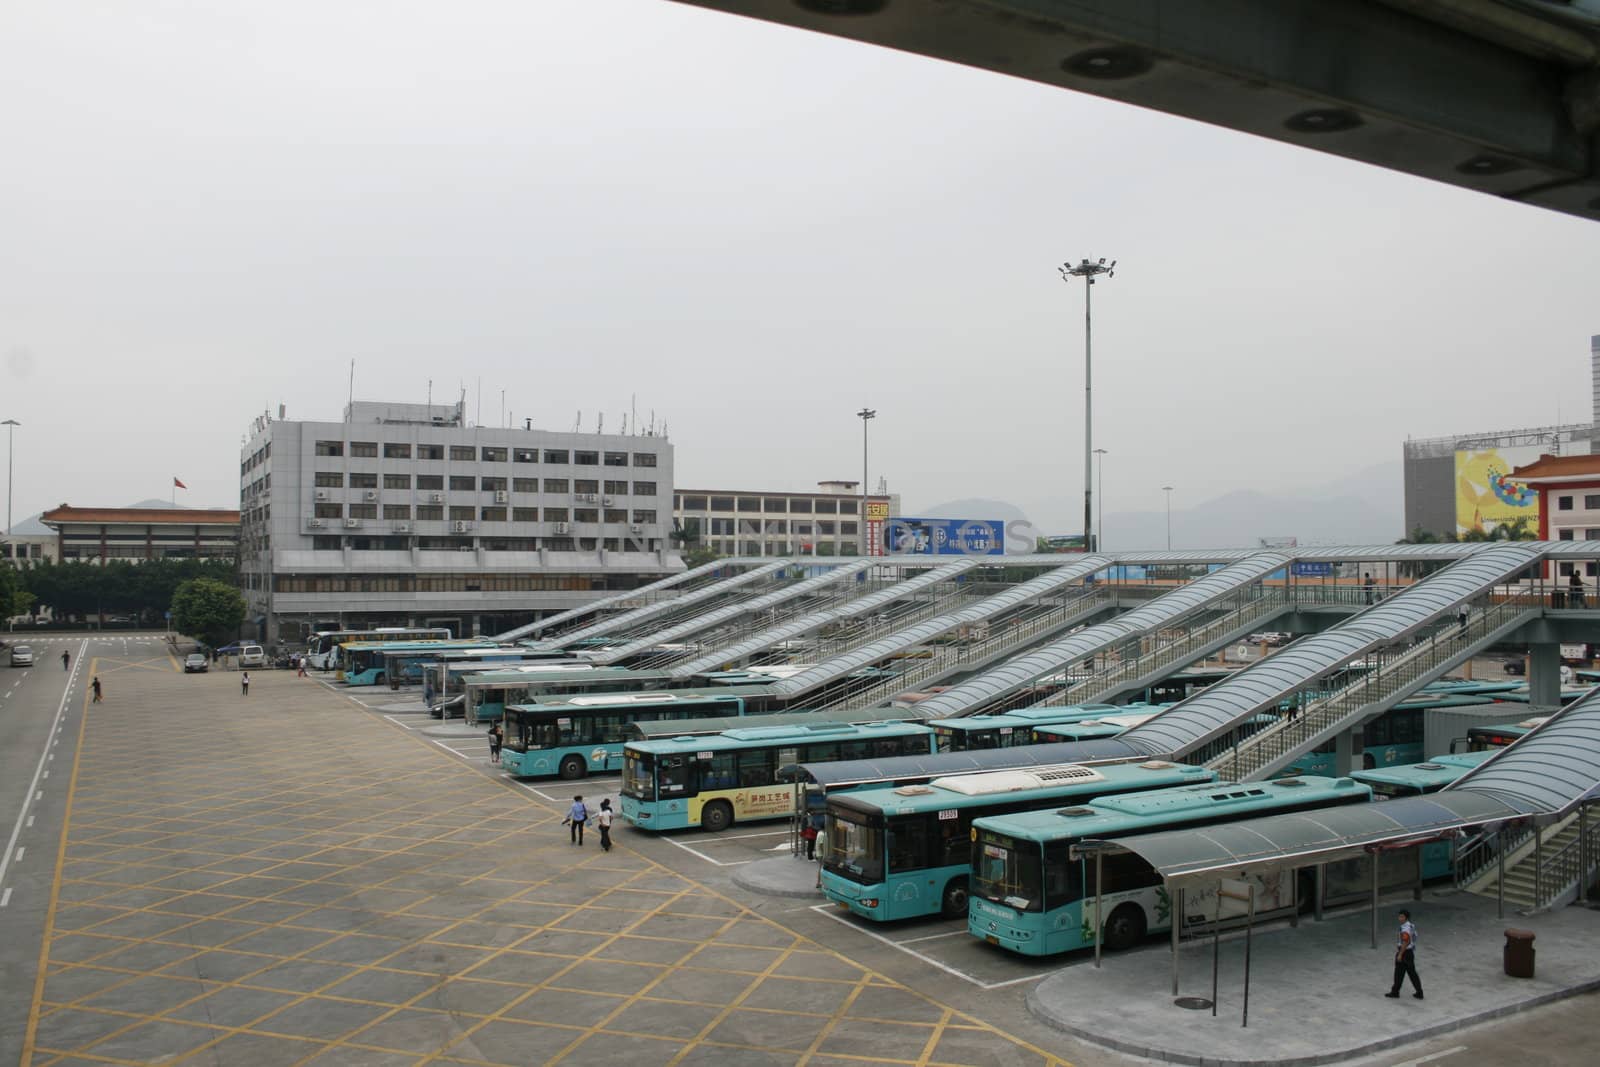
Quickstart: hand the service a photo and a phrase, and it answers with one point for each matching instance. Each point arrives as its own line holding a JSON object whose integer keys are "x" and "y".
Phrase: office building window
{"x": 492, "y": 485}
{"x": 586, "y": 515}
{"x": 694, "y": 503}
{"x": 397, "y": 511}
{"x": 525, "y": 455}
{"x": 363, "y": 481}
{"x": 463, "y": 454}
{"x": 494, "y": 514}
{"x": 430, "y": 451}
{"x": 394, "y": 450}
{"x": 585, "y": 485}
{"x": 328, "y": 511}
{"x": 644, "y": 488}
{"x": 325, "y": 543}
{"x": 644, "y": 515}
{"x": 616, "y": 488}
{"x": 616, "y": 515}
{"x": 493, "y": 455}
{"x": 749, "y": 503}
{"x": 524, "y": 514}
{"x": 430, "y": 512}
{"x": 1563, "y": 503}
{"x": 555, "y": 455}
{"x": 616, "y": 459}
{"x": 330, "y": 479}
{"x": 397, "y": 481}
{"x": 775, "y": 504}
{"x": 721, "y": 503}
{"x": 463, "y": 483}
{"x": 430, "y": 481}
{"x": 364, "y": 449}
{"x": 644, "y": 459}
{"x": 827, "y": 507}
{"x": 458, "y": 513}
{"x": 557, "y": 485}
{"x": 330, "y": 448}
{"x": 802, "y": 507}
{"x": 1564, "y": 535}
{"x": 586, "y": 459}
{"x": 555, "y": 514}
{"x": 363, "y": 511}
{"x": 847, "y": 507}
{"x": 1592, "y": 501}
{"x": 524, "y": 485}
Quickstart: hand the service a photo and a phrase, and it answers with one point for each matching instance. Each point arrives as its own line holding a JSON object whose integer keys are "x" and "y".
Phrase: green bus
{"x": 1416, "y": 779}
{"x": 1034, "y": 894}
{"x": 569, "y": 736}
{"x": 1094, "y": 726}
{"x": 745, "y": 775}
{"x": 361, "y": 663}
{"x": 901, "y": 852}
{"x": 1015, "y": 727}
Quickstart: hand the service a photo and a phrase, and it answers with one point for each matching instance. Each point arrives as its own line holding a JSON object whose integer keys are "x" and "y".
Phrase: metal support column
{"x": 1177, "y": 924}
{"x": 1374, "y": 856}
{"x": 1098, "y": 856}
{"x": 1500, "y": 876}
{"x": 1321, "y": 891}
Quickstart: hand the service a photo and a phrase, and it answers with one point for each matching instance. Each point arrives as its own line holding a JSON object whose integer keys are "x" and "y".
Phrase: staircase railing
{"x": 1556, "y": 872}
{"x": 1301, "y": 727}
{"x": 1476, "y": 857}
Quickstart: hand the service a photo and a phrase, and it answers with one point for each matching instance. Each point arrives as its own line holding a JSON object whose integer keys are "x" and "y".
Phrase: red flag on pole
{"x": 178, "y": 484}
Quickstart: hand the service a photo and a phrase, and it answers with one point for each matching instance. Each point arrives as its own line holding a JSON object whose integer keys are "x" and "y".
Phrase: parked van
{"x": 252, "y": 656}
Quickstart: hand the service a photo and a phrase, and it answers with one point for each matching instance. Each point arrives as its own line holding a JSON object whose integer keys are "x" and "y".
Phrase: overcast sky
{"x": 207, "y": 210}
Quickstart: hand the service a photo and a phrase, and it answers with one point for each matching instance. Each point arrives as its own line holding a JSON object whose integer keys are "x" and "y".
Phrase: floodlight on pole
{"x": 866, "y": 415}
{"x": 1088, "y": 272}
{"x": 1168, "y": 490}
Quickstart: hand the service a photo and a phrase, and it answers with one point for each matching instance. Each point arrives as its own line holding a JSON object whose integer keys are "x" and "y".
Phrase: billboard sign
{"x": 1062, "y": 543}
{"x": 1313, "y": 570}
{"x": 945, "y": 537}
{"x": 1486, "y": 496}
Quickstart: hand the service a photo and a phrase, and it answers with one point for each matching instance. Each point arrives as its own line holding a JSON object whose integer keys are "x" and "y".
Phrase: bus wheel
{"x": 1125, "y": 928}
{"x": 717, "y": 816}
{"x": 573, "y": 767}
{"x": 954, "y": 903}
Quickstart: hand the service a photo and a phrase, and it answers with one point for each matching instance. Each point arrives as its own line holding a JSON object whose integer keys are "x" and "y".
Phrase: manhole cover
{"x": 1193, "y": 1003}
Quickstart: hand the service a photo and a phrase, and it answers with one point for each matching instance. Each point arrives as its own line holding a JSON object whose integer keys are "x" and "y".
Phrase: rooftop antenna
{"x": 430, "y": 396}
{"x": 577, "y": 422}
{"x": 624, "y": 424}
{"x": 480, "y": 401}
{"x": 352, "y": 390}
{"x": 633, "y": 405}
{"x": 600, "y": 422}
{"x": 502, "y": 407}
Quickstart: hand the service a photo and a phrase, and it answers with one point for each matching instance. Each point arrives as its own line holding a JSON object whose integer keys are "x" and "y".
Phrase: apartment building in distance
{"x": 403, "y": 514}
{"x": 748, "y": 522}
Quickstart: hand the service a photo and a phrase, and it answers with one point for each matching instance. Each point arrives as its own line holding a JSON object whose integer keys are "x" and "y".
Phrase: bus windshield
{"x": 1006, "y": 871}
{"x": 638, "y": 768}
{"x": 854, "y": 849}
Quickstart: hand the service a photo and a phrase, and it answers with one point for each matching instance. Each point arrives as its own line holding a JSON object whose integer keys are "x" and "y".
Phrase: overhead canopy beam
{"x": 1499, "y": 97}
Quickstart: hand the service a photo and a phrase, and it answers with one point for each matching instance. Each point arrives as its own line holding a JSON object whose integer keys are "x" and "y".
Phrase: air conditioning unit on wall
{"x": 372, "y": 494}
{"x": 316, "y": 523}
{"x": 561, "y": 528}
{"x": 500, "y": 496}
{"x": 320, "y": 494}
{"x": 351, "y": 524}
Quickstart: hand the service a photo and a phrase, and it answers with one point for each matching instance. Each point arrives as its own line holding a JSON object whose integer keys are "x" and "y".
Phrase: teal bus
{"x": 1499, "y": 735}
{"x": 1094, "y": 726}
{"x": 652, "y": 731}
{"x": 322, "y": 650}
{"x": 362, "y": 663}
{"x": 902, "y": 852}
{"x": 1393, "y": 738}
{"x": 746, "y": 775}
{"x": 1015, "y": 727}
{"x": 1417, "y": 779}
{"x": 569, "y": 736}
{"x": 441, "y": 677}
{"x": 1034, "y": 893}
{"x": 487, "y": 695}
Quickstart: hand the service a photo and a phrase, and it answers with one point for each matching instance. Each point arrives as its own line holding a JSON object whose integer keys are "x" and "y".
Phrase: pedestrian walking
{"x": 244, "y": 683}
{"x": 808, "y": 834}
{"x": 1461, "y": 620}
{"x": 496, "y": 738}
{"x": 1405, "y": 957}
{"x": 66, "y": 661}
{"x": 95, "y": 685}
{"x": 300, "y": 666}
{"x": 603, "y": 820}
{"x": 1574, "y": 589}
{"x": 577, "y": 815}
{"x": 1370, "y": 589}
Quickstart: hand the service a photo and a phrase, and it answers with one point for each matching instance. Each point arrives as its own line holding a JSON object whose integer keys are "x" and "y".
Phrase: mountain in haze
{"x": 1365, "y": 507}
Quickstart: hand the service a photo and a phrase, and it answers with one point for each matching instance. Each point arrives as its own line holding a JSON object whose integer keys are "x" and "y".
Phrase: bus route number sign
{"x": 949, "y": 813}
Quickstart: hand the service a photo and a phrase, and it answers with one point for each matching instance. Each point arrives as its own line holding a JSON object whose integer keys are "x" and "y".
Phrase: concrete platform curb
{"x": 781, "y": 876}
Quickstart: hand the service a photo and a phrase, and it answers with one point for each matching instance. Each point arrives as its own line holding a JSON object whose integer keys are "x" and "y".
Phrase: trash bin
{"x": 1519, "y": 953}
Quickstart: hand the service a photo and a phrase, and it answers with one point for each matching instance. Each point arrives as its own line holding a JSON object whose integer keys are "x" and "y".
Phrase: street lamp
{"x": 1088, "y": 272}
{"x": 11, "y": 465}
{"x": 1168, "y": 490}
{"x": 1100, "y": 519}
{"x": 866, "y": 415}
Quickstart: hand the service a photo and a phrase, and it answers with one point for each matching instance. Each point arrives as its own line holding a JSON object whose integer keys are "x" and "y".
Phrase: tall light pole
{"x": 1088, "y": 272}
{"x": 866, "y": 415}
{"x": 11, "y": 464}
{"x": 1168, "y": 490}
{"x": 1100, "y": 519}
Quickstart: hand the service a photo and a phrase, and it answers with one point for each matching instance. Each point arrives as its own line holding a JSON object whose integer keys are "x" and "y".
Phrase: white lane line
{"x": 5, "y": 897}
{"x": 832, "y": 912}
{"x": 1430, "y": 1057}
{"x": 30, "y": 822}
{"x": 396, "y": 721}
{"x": 933, "y": 937}
{"x": 702, "y": 855}
{"x": 5, "y": 860}
{"x": 47, "y": 774}
{"x": 20, "y": 853}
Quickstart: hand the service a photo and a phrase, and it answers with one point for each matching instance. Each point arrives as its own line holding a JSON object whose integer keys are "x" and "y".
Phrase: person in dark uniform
{"x": 1405, "y": 957}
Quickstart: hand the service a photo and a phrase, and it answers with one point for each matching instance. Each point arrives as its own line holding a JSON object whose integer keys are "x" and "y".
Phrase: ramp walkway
{"x": 656, "y": 611}
{"x": 803, "y": 591}
{"x": 1218, "y": 709}
{"x": 1041, "y": 619}
{"x": 932, "y": 591}
{"x": 645, "y": 594}
{"x": 1015, "y": 674}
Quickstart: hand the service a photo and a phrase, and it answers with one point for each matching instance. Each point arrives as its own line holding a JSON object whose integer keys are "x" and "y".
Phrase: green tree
{"x": 207, "y": 609}
{"x": 14, "y": 597}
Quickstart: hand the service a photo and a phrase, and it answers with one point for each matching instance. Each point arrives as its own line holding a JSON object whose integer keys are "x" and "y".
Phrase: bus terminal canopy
{"x": 1018, "y": 757}
{"x": 1259, "y": 846}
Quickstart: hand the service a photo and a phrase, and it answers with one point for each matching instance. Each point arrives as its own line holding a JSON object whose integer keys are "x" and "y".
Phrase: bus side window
{"x": 955, "y": 842}
{"x": 908, "y": 843}
{"x": 1063, "y": 875}
{"x": 718, "y": 772}
{"x": 913, "y": 745}
{"x": 1123, "y": 871}
{"x": 757, "y": 768}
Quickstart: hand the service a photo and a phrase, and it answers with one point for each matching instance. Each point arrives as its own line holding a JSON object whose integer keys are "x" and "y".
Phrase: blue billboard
{"x": 944, "y": 537}
{"x": 1313, "y": 570}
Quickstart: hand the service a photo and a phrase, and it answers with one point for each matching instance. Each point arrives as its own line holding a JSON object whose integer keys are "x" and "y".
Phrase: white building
{"x": 750, "y": 522}
{"x": 403, "y": 514}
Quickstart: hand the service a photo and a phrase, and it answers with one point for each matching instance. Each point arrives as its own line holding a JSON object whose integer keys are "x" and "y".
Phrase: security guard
{"x": 1405, "y": 957}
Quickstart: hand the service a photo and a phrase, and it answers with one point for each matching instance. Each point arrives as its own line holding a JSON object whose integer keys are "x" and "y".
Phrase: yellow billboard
{"x": 1486, "y": 496}
{"x": 877, "y": 510}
